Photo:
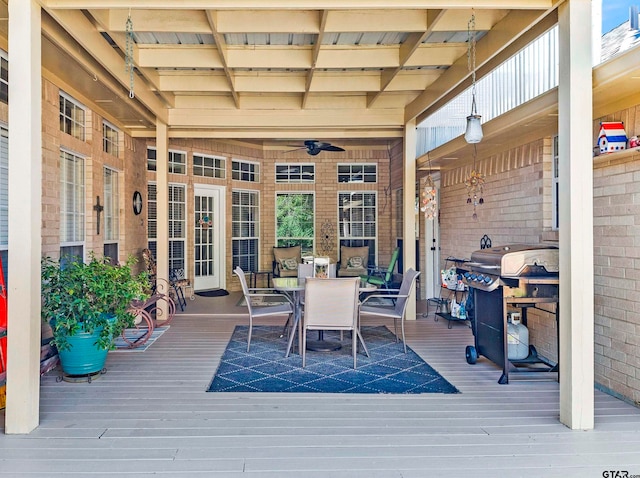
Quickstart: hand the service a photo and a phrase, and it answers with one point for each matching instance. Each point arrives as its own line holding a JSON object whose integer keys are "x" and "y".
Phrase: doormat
{"x": 212, "y": 293}
{"x": 265, "y": 369}
{"x": 133, "y": 333}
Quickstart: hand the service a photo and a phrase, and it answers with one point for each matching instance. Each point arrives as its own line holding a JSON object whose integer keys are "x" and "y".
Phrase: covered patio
{"x": 150, "y": 415}
{"x": 254, "y": 95}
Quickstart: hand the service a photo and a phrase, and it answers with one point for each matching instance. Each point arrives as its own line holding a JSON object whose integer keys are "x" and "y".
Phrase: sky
{"x": 615, "y": 12}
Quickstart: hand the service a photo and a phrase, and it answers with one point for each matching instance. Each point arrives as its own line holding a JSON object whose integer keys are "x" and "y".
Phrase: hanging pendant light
{"x": 473, "y": 133}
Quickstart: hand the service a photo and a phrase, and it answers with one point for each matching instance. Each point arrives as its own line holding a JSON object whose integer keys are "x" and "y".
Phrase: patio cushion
{"x": 353, "y": 261}
{"x": 286, "y": 261}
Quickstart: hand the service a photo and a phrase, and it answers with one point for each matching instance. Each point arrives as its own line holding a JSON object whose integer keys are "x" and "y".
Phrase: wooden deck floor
{"x": 150, "y": 415}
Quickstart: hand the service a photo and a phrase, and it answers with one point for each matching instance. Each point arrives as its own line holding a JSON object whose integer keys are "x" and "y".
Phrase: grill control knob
{"x": 487, "y": 279}
{"x": 467, "y": 275}
{"x": 480, "y": 277}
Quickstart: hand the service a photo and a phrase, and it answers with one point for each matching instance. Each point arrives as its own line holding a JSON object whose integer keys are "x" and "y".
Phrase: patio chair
{"x": 398, "y": 311}
{"x": 353, "y": 261}
{"x": 259, "y": 312}
{"x": 382, "y": 277}
{"x": 332, "y": 304}
{"x": 286, "y": 260}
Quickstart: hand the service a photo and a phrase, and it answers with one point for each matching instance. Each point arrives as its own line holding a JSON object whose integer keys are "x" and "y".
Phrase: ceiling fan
{"x": 314, "y": 147}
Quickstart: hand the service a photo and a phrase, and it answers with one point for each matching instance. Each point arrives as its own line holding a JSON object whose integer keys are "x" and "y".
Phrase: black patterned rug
{"x": 265, "y": 369}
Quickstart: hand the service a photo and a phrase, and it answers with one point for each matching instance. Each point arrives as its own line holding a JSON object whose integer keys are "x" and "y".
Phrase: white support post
{"x": 409, "y": 209}
{"x": 576, "y": 216}
{"x": 162, "y": 196}
{"x": 25, "y": 218}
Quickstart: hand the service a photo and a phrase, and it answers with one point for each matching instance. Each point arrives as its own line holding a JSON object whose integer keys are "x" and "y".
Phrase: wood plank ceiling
{"x": 274, "y": 70}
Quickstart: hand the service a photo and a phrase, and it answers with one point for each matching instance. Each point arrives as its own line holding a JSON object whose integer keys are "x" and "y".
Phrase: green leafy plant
{"x": 82, "y": 297}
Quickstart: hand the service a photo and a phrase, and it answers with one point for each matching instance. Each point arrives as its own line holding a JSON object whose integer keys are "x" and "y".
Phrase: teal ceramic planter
{"x": 83, "y": 358}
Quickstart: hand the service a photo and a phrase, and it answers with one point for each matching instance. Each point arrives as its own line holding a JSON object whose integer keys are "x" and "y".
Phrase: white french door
{"x": 209, "y": 246}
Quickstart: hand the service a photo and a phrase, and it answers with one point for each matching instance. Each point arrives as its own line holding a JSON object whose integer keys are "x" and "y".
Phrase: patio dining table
{"x": 293, "y": 287}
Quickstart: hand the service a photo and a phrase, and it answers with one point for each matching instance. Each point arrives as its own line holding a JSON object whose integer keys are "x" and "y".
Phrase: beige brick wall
{"x": 617, "y": 265}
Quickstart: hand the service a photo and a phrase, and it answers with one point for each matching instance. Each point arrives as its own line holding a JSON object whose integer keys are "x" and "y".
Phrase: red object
{"x": 3, "y": 320}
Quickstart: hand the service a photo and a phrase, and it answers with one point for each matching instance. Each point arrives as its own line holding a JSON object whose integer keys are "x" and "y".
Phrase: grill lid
{"x": 518, "y": 259}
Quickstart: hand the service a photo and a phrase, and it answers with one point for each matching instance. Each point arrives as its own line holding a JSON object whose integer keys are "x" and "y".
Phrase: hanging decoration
{"x": 475, "y": 186}
{"x": 128, "y": 54}
{"x": 205, "y": 222}
{"x": 473, "y": 133}
{"x": 328, "y": 233}
{"x": 429, "y": 202}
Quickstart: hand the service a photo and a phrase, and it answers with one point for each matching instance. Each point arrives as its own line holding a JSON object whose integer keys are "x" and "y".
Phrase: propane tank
{"x": 517, "y": 338}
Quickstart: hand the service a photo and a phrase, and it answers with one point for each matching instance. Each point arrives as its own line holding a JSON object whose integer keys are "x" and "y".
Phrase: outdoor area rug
{"x": 265, "y": 369}
{"x": 133, "y": 333}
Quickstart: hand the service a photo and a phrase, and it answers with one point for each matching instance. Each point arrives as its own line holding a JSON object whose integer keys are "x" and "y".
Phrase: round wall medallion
{"x": 137, "y": 203}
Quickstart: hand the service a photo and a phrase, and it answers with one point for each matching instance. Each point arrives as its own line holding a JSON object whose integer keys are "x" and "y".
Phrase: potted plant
{"x": 87, "y": 305}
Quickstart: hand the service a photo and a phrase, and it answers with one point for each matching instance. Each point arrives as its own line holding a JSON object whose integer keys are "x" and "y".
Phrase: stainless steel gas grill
{"x": 512, "y": 277}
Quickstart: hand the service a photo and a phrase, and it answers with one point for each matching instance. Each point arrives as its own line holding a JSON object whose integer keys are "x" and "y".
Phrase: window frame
{"x": 179, "y": 262}
{"x": 106, "y": 141}
{"x": 176, "y": 167}
{"x": 361, "y": 239}
{"x": 216, "y": 172}
{"x": 253, "y": 174}
{"x": 252, "y": 261}
{"x": 291, "y": 177}
{"x": 347, "y": 177}
{"x": 77, "y": 237}
{"x": 152, "y": 163}
{"x": 62, "y": 115}
{"x": 292, "y": 240}
{"x": 555, "y": 170}
{"x": 111, "y": 206}
{"x": 4, "y": 83}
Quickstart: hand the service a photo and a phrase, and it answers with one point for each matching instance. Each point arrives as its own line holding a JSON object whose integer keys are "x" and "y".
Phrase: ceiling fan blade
{"x": 330, "y": 147}
{"x": 297, "y": 148}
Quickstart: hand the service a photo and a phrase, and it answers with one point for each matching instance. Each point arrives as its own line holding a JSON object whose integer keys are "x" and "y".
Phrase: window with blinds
{"x": 357, "y": 217}
{"x": 177, "y": 223}
{"x": 72, "y": 200}
{"x": 72, "y": 117}
{"x": 209, "y": 166}
{"x": 555, "y": 224}
{"x": 111, "y": 212}
{"x": 295, "y": 220}
{"x": 245, "y": 229}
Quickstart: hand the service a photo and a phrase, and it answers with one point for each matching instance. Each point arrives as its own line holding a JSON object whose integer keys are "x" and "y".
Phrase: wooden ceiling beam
{"x": 223, "y": 55}
{"x": 314, "y": 56}
{"x": 406, "y": 50}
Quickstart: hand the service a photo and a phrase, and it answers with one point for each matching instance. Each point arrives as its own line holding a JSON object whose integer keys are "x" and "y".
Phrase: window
{"x": 110, "y": 139}
{"x": 177, "y": 162}
{"x": 151, "y": 159}
{"x": 357, "y": 213}
{"x": 357, "y": 173}
{"x": 209, "y": 166}
{"x": 295, "y": 220}
{"x": 295, "y": 173}
{"x": 555, "y": 220}
{"x": 245, "y": 229}
{"x": 177, "y": 223}
{"x": 72, "y": 210}
{"x": 245, "y": 171}
{"x": 111, "y": 213}
{"x": 4, "y": 77}
{"x": 4, "y": 197}
{"x": 72, "y": 117}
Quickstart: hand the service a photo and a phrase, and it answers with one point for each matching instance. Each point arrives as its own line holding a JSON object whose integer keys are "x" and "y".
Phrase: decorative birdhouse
{"x": 612, "y": 137}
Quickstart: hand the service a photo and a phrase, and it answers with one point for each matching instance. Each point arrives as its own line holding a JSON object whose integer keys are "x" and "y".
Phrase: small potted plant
{"x": 87, "y": 305}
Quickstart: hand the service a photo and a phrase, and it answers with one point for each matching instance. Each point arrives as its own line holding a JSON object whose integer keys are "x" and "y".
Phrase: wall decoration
{"x": 328, "y": 234}
{"x": 137, "y": 203}
{"x": 612, "y": 137}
